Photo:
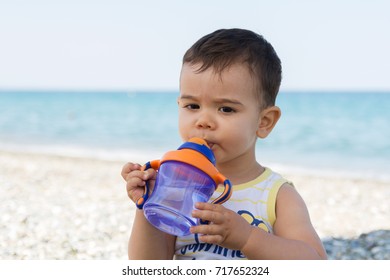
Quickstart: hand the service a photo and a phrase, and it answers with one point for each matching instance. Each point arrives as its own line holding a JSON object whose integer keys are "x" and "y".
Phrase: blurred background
{"x": 100, "y": 78}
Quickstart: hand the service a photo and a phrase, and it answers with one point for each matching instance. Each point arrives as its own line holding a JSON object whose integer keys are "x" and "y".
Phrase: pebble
{"x": 374, "y": 245}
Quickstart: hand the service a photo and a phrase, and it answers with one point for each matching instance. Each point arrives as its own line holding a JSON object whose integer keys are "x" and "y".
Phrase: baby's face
{"x": 222, "y": 109}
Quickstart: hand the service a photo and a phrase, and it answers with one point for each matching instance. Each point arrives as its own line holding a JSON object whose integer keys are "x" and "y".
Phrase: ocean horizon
{"x": 344, "y": 132}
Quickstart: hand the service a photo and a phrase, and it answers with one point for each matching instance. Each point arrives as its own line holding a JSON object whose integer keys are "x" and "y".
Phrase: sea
{"x": 328, "y": 132}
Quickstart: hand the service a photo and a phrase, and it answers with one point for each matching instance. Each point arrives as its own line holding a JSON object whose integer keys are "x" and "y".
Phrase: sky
{"x": 138, "y": 45}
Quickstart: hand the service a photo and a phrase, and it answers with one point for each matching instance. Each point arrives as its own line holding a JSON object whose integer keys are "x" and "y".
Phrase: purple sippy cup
{"x": 184, "y": 176}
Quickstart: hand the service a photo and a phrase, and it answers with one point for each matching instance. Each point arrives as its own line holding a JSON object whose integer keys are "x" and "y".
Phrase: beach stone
{"x": 373, "y": 245}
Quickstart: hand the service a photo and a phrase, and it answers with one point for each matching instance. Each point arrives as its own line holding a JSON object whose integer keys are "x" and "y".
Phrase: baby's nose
{"x": 205, "y": 121}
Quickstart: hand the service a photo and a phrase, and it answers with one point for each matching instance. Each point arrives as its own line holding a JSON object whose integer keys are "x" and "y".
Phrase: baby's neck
{"x": 241, "y": 174}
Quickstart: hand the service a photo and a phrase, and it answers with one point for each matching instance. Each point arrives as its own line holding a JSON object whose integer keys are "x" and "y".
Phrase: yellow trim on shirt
{"x": 267, "y": 172}
{"x": 271, "y": 209}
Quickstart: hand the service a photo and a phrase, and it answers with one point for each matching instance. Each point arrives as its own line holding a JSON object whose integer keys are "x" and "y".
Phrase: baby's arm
{"x": 294, "y": 236}
{"x": 146, "y": 242}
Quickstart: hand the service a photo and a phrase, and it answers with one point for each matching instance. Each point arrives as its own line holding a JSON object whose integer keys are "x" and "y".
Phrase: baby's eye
{"x": 192, "y": 106}
{"x": 227, "y": 110}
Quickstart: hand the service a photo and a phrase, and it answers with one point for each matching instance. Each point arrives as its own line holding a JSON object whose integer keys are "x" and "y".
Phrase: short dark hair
{"x": 225, "y": 47}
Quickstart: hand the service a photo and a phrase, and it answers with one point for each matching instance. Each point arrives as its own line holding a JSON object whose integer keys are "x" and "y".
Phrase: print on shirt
{"x": 253, "y": 221}
{"x": 216, "y": 249}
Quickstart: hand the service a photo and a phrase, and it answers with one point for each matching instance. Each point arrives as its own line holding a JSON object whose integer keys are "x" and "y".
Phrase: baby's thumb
{"x": 150, "y": 174}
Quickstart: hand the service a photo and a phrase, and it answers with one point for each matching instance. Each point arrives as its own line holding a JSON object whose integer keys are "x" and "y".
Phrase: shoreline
{"x": 64, "y": 207}
{"x": 122, "y": 155}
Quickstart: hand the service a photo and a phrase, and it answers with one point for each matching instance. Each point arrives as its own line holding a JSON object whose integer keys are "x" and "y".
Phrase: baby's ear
{"x": 268, "y": 119}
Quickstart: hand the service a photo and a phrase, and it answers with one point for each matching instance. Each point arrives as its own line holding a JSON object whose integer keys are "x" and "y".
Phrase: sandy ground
{"x": 54, "y": 207}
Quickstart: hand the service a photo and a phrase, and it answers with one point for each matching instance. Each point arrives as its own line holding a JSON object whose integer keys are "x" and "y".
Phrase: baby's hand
{"x": 226, "y": 228}
{"x": 135, "y": 180}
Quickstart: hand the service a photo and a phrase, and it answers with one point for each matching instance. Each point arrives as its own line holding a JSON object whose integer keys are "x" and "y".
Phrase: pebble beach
{"x": 56, "y": 207}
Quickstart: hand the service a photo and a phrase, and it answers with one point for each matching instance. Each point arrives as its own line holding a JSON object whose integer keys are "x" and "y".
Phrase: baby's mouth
{"x": 210, "y": 144}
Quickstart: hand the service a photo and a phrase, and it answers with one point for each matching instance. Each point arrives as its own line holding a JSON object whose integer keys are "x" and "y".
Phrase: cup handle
{"x": 141, "y": 201}
{"x": 226, "y": 193}
{"x": 223, "y": 197}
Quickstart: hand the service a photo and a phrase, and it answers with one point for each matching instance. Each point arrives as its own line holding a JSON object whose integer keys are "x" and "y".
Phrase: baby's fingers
{"x": 209, "y": 212}
{"x": 211, "y": 239}
{"x": 149, "y": 174}
{"x": 207, "y": 215}
{"x": 208, "y": 233}
{"x": 135, "y": 194}
{"x": 128, "y": 168}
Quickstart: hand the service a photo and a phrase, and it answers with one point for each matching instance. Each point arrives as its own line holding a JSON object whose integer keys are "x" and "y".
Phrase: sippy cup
{"x": 184, "y": 177}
